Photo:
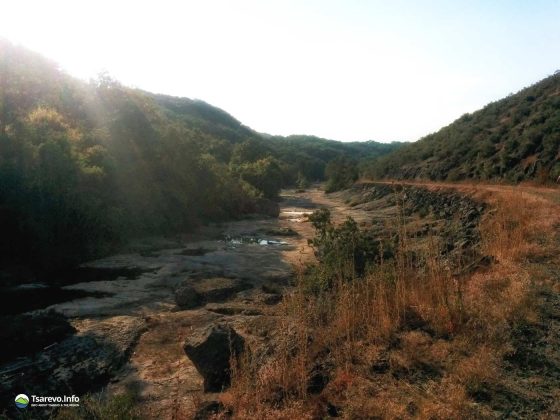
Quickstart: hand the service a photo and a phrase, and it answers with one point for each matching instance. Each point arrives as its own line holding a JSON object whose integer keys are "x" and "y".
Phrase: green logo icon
{"x": 22, "y": 401}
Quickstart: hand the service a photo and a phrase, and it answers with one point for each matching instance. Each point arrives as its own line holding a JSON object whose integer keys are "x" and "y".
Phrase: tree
{"x": 341, "y": 173}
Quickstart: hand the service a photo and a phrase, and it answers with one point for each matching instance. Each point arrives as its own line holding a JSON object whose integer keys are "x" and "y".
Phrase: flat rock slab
{"x": 217, "y": 289}
{"x": 28, "y": 333}
{"x": 193, "y": 293}
{"x": 80, "y": 363}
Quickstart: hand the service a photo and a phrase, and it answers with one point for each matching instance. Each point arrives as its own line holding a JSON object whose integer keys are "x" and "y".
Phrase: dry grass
{"x": 437, "y": 340}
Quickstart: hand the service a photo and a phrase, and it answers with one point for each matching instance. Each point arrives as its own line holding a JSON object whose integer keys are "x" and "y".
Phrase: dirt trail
{"x": 546, "y": 193}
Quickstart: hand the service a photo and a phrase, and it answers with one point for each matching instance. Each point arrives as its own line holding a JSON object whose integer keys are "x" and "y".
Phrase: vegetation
{"x": 407, "y": 340}
{"x": 102, "y": 407}
{"x": 341, "y": 173}
{"x": 310, "y": 155}
{"x": 344, "y": 251}
{"x": 514, "y": 139}
{"x": 375, "y": 328}
{"x": 84, "y": 167}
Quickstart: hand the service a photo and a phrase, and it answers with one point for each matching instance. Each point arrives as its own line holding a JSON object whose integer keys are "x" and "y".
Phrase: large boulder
{"x": 211, "y": 349}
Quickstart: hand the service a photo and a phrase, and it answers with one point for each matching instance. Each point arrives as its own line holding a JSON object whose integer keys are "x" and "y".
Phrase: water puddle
{"x": 295, "y": 216}
{"x": 241, "y": 240}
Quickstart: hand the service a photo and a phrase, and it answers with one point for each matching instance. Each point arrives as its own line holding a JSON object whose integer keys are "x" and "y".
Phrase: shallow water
{"x": 295, "y": 216}
{"x": 240, "y": 240}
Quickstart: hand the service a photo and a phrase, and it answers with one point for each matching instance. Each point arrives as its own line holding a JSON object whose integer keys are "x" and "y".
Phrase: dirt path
{"x": 547, "y": 193}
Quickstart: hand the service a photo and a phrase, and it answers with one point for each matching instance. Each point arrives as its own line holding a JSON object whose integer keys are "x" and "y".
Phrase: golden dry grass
{"x": 443, "y": 337}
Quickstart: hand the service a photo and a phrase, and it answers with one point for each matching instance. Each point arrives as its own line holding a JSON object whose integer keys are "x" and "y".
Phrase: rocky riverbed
{"x": 128, "y": 331}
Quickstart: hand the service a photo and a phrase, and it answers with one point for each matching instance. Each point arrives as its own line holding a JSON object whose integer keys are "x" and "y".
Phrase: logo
{"x": 22, "y": 401}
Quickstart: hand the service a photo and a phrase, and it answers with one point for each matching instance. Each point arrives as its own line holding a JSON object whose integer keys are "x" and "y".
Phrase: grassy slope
{"x": 516, "y": 138}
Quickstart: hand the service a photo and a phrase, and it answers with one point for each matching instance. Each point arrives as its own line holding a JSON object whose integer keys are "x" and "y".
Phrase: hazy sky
{"x": 347, "y": 70}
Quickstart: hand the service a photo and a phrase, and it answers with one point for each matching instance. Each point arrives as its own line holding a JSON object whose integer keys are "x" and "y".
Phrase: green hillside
{"x": 513, "y": 139}
{"x": 85, "y": 166}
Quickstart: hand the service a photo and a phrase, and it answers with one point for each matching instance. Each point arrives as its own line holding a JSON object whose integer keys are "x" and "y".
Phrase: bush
{"x": 344, "y": 251}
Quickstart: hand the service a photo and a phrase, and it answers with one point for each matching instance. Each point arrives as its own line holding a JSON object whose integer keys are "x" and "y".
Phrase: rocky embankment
{"x": 444, "y": 214}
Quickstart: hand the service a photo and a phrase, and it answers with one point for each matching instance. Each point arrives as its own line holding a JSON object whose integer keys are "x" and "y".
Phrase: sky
{"x": 348, "y": 70}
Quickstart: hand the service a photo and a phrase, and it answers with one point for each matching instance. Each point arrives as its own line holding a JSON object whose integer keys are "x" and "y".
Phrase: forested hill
{"x": 514, "y": 139}
{"x": 84, "y": 166}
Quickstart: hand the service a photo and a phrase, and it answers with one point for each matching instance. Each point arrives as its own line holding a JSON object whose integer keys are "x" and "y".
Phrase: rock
{"x": 271, "y": 288}
{"x": 210, "y": 349}
{"x": 318, "y": 380}
{"x": 333, "y": 410}
{"x": 187, "y": 297}
{"x": 83, "y": 362}
{"x": 29, "y": 333}
{"x": 217, "y": 289}
{"x": 380, "y": 366}
{"x": 193, "y": 293}
{"x": 272, "y": 299}
{"x": 194, "y": 252}
{"x": 224, "y": 309}
{"x": 282, "y": 231}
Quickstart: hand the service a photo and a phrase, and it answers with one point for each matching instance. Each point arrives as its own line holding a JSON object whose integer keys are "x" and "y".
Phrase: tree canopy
{"x": 85, "y": 166}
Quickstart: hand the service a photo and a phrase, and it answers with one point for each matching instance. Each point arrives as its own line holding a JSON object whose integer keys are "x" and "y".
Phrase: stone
{"x": 210, "y": 349}
{"x": 187, "y": 297}
{"x": 282, "y": 231}
{"x": 194, "y": 293}
{"x": 218, "y": 289}
{"x": 272, "y": 299}
{"x": 28, "y": 333}
{"x": 229, "y": 310}
{"x": 82, "y": 362}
